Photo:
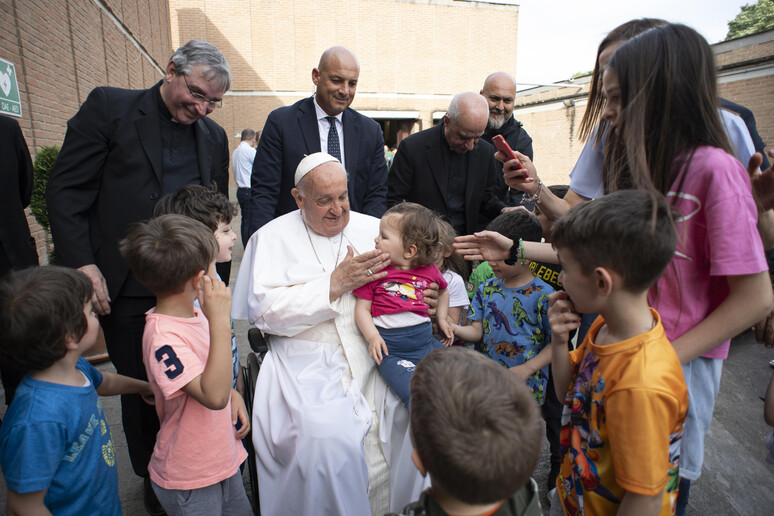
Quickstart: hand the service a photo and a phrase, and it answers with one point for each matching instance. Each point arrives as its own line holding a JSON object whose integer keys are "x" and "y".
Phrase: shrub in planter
{"x": 44, "y": 163}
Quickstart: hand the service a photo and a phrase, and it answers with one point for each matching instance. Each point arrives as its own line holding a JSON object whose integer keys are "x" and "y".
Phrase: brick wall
{"x": 62, "y": 49}
{"x": 414, "y": 55}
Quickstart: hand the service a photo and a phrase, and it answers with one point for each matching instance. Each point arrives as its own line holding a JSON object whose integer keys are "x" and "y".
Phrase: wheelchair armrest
{"x": 257, "y": 341}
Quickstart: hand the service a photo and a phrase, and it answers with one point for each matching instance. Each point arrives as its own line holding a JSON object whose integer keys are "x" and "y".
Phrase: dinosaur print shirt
{"x": 622, "y": 423}
{"x": 515, "y": 324}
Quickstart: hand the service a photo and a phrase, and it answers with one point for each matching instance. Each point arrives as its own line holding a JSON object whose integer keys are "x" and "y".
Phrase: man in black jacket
{"x": 500, "y": 91}
{"x": 448, "y": 169}
{"x": 123, "y": 150}
{"x": 17, "y": 247}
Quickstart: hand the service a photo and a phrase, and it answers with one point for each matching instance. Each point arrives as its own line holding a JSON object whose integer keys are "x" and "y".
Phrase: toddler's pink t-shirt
{"x": 196, "y": 446}
{"x": 717, "y": 237}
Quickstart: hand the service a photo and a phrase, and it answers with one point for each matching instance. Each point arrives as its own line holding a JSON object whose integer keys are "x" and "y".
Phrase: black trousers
{"x": 123, "y": 335}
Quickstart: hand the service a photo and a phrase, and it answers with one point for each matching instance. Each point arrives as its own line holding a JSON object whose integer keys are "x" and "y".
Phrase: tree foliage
{"x": 752, "y": 19}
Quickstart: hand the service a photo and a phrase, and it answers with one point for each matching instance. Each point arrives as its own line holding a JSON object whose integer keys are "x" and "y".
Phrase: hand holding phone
{"x": 502, "y": 146}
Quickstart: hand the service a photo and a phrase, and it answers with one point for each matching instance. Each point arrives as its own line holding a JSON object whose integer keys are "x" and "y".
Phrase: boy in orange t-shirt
{"x": 194, "y": 468}
{"x": 626, "y": 398}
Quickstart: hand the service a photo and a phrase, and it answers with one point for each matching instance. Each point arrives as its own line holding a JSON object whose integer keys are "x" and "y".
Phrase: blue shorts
{"x": 407, "y": 346}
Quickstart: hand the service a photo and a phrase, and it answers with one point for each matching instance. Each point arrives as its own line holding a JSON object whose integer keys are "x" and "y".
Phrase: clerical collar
{"x": 163, "y": 111}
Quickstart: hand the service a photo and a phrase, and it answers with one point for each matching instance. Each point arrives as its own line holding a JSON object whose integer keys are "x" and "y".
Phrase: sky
{"x": 557, "y": 38}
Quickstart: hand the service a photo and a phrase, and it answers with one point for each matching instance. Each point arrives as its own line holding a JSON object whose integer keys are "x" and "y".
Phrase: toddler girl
{"x": 391, "y": 312}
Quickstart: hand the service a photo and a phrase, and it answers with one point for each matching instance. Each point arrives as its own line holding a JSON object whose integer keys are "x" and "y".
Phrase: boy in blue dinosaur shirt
{"x": 508, "y": 313}
{"x": 56, "y": 450}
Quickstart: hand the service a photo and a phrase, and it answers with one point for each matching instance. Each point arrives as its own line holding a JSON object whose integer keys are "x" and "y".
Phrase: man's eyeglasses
{"x": 212, "y": 104}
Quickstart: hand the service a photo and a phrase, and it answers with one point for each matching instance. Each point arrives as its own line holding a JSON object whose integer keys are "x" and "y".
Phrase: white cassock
{"x": 330, "y": 437}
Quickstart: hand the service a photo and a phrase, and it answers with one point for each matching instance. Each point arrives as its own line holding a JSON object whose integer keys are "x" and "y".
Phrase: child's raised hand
{"x": 446, "y": 329}
{"x": 377, "y": 349}
{"x": 215, "y": 299}
{"x": 562, "y": 316}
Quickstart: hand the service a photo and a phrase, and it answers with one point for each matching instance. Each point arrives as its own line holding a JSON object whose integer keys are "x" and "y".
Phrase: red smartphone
{"x": 503, "y": 147}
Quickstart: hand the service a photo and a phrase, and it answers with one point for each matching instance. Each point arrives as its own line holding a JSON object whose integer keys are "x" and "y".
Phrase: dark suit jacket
{"x": 108, "y": 176}
{"x": 17, "y": 247}
{"x": 418, "y": 174}
{"x": 291, "y": 132}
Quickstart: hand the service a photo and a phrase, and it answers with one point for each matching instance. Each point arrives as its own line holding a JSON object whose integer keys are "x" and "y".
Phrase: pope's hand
{"x": 356, "y": 271}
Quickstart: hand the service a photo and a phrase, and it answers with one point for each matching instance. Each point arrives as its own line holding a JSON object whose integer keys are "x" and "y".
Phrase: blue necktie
{"x": 334, "y": 147}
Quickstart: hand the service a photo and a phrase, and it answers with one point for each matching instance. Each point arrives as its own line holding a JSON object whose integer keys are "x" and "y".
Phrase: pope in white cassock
{"x": 330, "y": 437}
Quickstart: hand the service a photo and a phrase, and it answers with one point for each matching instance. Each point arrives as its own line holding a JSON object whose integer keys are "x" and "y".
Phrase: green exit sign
{"x": 10, "y": 103}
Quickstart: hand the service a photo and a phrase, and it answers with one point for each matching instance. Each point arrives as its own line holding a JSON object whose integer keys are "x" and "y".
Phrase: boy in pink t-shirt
{"x": 187, "y": 354}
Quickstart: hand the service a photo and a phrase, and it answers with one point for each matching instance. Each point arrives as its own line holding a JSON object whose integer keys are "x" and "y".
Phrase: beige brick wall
{"x": 64, "y": 48}
{"x": 414, "y": 54}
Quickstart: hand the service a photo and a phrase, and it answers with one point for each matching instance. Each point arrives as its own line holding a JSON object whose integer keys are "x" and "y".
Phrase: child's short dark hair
{"x": 40, "y": 309}
{"x": 630, "y": 232}
{"x": 418, "y": 226}
{"x": 474, "y": 425}
{"x": 206, "y": 205}
{"x": 517, "y": 224}
{"x": 167, "y": 251}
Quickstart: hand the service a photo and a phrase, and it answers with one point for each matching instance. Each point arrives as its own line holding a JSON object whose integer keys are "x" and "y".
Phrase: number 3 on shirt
{"x": 167, "y": 355}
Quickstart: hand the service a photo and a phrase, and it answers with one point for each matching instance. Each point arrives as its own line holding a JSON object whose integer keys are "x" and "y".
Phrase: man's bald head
{"x": 499, "y": 91}
{"x": 465, "y": 121}
{"x": 337, "y": 54}
{"x": 336, "y": 80}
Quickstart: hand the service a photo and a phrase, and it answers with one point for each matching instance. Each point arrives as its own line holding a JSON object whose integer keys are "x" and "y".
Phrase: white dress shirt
{"x": 324, "y": 126}
{"x": 242, "y": 164}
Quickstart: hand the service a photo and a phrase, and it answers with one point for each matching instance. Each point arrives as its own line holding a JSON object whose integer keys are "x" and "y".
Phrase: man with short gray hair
{"x": 123, "y": 150}
{"x": 448, "y": 169}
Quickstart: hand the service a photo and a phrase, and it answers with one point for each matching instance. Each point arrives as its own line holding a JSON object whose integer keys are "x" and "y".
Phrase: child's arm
{"x": 114, "y": 384}
{"x": 474, "y": 332}
{"x": 532, "y": 365}
{"x": 239, "y": 414}
{"x": 454, "y": 315}
{"x": 563, "y": 319}
{"x": 634, "y": 504}
{"x": 443, "y": 314}
{"x": 23, "y": 504}
{"x": 768, "y": 404}
{"x": 212, "y": 388}
{"x": 365, "y": 322}
{"x": 749, "y": 300}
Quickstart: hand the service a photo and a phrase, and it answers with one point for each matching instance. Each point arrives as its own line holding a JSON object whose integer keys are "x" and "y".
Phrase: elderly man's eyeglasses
{"x": 212, "y": 104}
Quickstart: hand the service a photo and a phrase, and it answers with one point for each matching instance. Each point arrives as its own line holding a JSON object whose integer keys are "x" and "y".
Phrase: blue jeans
{"x": 407, "y": 346}
{"x": 243, "y": 198}
{"x": 684, "y": 488}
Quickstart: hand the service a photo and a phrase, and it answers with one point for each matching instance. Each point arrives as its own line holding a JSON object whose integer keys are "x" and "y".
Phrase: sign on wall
{"x": 10, "y": 102}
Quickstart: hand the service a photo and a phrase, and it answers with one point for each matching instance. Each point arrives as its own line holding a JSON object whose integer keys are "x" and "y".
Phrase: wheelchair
{"x": 250, "y": 372}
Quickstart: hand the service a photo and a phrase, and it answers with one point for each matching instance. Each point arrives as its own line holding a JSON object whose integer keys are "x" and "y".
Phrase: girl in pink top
{"x": 667, "y": 135}
{"x": 391, "y": 312}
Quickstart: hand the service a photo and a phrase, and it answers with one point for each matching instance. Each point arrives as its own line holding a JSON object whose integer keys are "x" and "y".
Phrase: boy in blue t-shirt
{"x": 508, "y": 313}
{"x": 56, "y": 450}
